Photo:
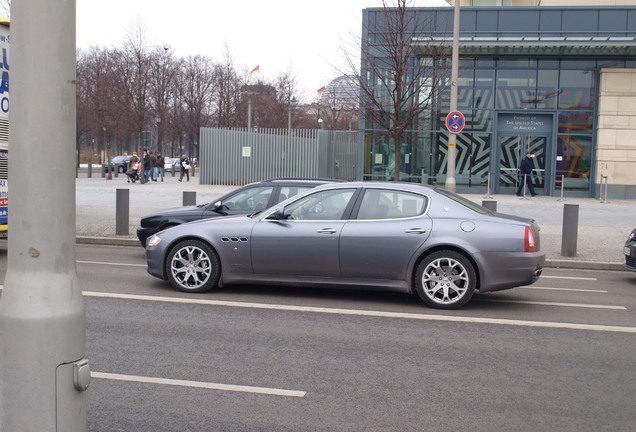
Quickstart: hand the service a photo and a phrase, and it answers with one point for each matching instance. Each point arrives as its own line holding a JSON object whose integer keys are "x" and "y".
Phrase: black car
{"x": 630, "y": 251}
{"x": 121, "y": 162}
{"x": 245, "y": 200}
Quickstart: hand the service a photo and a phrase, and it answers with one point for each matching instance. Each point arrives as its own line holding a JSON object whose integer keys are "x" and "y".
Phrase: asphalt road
{"x": 558, "y": 355}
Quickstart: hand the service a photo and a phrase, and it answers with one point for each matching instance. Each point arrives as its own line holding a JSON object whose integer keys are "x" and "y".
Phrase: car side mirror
{"x": 278, "y": 214}
{"x": 217, "y": 206}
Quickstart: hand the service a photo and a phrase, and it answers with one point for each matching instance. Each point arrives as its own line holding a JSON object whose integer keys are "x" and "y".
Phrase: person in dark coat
{"x": 185, "y": 167}
{"x": 525, "y": 175}
{"x": 147, "y": 166}
{"x": 161, "y": 161}
{"x": 153, "y": 166}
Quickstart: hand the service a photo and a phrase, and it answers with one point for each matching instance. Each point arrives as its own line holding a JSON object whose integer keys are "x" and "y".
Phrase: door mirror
{"x": 278, "y": 214}
{"x": 217, "y": 207}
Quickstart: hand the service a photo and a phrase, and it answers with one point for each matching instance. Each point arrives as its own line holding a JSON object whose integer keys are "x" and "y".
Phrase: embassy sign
{"x": 517, "y": 124}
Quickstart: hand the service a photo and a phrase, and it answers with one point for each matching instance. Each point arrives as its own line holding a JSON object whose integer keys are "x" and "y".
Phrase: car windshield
{"x": 463, "y": 201}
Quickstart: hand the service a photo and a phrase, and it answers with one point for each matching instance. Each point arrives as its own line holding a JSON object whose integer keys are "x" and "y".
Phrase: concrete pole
{"x": 570, "y": 229}
{"x": 452, "y": 137}
{"x": 43, "y": 370}
{"x": 122, "y": 211}
{"x": 189, "y": 198}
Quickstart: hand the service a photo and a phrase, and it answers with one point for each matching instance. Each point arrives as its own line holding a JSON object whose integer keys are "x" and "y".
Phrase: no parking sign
{"x": 455, "y": 121}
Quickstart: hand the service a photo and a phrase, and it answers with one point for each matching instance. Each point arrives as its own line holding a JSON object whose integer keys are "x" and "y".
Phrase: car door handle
{"x": 415, "y": 231}
{"x": 326, "y": 231}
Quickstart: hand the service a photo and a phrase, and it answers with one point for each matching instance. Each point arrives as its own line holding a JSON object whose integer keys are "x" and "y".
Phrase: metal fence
{"x": 238, "y": 156}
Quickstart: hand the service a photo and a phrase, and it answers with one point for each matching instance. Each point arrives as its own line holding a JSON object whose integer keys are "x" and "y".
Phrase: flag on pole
{"x": 321, "y": 90}
{"x": 256, "y": 70}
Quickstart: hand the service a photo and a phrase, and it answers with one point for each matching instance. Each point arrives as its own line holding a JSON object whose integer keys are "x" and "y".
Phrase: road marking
{"x": 578, "y": 305}
{"x": 199, "y": 384}
{"x": 111, "y": 263}
{"x": 371, "y": 313}
{"x": 568, "y": 277}
{"x": 563, "y": 289}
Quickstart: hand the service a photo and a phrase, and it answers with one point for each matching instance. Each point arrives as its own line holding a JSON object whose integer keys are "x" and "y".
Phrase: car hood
{"x": 176, "y": 211}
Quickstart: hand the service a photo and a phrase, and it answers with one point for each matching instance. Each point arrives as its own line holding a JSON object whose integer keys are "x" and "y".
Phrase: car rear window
{"x": 463, "y": 201}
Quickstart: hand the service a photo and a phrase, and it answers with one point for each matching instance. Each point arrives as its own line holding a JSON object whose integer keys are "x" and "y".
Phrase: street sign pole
{"x": 452, "y": 137}
{"x": 43, "y": 370}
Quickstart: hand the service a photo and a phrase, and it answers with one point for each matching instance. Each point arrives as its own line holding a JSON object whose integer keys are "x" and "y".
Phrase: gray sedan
{"x": 394, "y": 236}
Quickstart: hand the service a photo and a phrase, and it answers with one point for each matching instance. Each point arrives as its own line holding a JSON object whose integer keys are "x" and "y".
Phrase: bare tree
{"x": 196, "y": 88}
{"x": 228, "y": 92}
{"x": 98, "y": 117}
{"x": 163, "y": 72}
{"x": 396, "y": 85}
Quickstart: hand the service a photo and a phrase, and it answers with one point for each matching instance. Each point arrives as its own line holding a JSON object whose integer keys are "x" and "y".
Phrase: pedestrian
{"x": 185, "y": 168}
{"x": 160, "y": 165}
{"x": 525, "y": 174}
{"x": 153, "y": 166}
{"x": 133, "y": 168}
{"x": 147, "y": 165}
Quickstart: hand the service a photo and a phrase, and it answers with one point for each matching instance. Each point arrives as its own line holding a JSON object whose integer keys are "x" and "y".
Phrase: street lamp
{"x": 290, "y": 104}
{"x": 452, "y": 137}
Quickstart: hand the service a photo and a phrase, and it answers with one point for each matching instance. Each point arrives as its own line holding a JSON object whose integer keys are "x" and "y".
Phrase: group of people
{"x": 153, "y": 166}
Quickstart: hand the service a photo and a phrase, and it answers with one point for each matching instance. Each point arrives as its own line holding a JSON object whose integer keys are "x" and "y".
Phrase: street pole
{"x": 43, "y": 370}
{"x": 452, "y": 137}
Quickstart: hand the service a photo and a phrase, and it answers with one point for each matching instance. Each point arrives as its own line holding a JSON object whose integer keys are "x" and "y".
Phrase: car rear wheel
{"x": 193, "y": 266}
{"x": 445, "y": 280}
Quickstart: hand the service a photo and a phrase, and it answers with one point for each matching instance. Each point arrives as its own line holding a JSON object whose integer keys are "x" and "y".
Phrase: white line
{"x": 110, "y": 263}
{"x": 568, "y": 277}
{"x": 562, "y": 289}
{"x": 199, "y": 384}
{"x": 578, "y": 305}
{"x": 424, "y": 317}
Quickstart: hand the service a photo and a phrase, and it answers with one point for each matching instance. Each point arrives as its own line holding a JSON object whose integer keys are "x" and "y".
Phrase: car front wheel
{"x": 193, "y": 266}
{"x": 445, "y": 280}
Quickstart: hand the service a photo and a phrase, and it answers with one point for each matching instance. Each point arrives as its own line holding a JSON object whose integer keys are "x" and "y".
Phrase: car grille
{"x": 630, "y": 262}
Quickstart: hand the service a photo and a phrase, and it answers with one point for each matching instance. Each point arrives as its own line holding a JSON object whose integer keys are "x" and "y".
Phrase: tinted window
{"x": 387, "y": 204}
{"x": 251, "y": 199}
{"x": 324, "y": 205}
{"x": 290, "y": 191}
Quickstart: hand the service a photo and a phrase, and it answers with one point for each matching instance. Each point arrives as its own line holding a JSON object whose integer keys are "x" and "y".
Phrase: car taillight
{"x": 530, "y": 241}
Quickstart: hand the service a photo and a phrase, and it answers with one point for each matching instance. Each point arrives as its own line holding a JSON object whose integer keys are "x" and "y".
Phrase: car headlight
{"x": 154, "y": 240}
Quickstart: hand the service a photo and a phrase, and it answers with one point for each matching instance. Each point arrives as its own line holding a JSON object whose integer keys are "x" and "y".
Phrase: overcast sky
{"x": 303, "y": 37}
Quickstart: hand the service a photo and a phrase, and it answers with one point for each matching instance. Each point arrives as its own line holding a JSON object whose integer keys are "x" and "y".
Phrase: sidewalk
{"x": 602, "y": 230}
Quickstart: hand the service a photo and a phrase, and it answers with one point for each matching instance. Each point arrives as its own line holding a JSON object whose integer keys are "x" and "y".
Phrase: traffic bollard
{"x": 570, "y": 229}
{"x": 490, "y": 205}
{"x": 122, "y": 211}
{"x": 189, "y": 198}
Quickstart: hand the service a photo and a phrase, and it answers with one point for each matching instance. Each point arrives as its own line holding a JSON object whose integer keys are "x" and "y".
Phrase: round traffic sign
{"x": 455, "y": 121}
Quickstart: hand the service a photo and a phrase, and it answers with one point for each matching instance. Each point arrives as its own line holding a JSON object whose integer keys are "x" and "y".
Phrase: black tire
{"x": 445, "y": 280}
{"x": 193, "y": 266}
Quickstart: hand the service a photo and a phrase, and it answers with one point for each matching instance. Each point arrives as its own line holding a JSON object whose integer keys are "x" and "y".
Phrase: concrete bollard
{"x": 570, "y": 229}
{"x": 122, "y": 211}
{"x": 489, "y": 204}
{"x": 90, "y": 170}
{"x": 189, "y": 198}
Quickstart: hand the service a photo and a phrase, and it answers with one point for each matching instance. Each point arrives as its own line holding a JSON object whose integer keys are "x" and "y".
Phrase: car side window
{"x": 251, "y": 199}
{"x": 290, "y": 191}
{"x": 323, "y": 205}
{"x": 385, "y": 204}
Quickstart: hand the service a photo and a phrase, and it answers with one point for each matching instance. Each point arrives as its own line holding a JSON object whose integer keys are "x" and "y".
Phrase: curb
{"x": 108, "y": 241}
{"x": 551, "y": 263}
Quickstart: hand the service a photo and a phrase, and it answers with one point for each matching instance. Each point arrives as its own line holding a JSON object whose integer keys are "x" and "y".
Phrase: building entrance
{"x": 516, "y": 136}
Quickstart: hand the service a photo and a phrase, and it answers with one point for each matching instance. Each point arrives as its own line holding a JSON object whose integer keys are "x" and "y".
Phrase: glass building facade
{"x": 528, "y": 82}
